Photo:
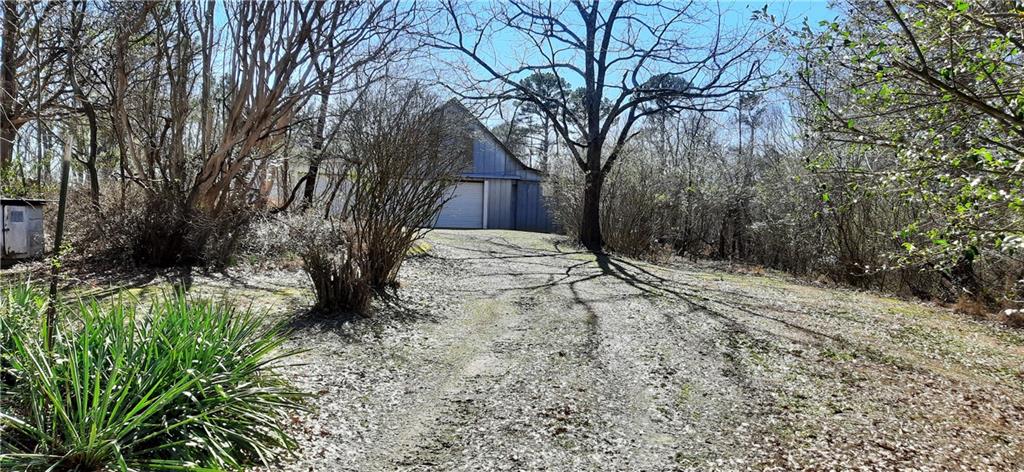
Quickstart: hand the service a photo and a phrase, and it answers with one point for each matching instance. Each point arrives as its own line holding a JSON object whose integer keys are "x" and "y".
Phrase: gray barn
{"x": 497, "y": 190}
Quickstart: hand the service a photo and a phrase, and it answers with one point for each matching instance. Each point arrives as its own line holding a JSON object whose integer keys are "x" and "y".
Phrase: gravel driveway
{"x": 517, "y": 351}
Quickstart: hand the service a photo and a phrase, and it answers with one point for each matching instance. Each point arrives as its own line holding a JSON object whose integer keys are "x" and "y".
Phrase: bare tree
{"x": 629, "y": 59}
{"x": 201, "y": 172}
{"x": 75, "y": 50}
{"x": 8, "y": 81}
{"x": 319, "y": 138}
{"x": 29, "y": 69}
{"x": 358, "y": 56}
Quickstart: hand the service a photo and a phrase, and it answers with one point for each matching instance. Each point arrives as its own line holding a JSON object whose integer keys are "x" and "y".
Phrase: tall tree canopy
{"x": 620, "y": 54}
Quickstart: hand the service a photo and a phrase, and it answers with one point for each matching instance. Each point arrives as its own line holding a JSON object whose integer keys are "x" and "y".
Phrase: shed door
{"x": 16, "y": 237}
{"x": 465, "y": 209}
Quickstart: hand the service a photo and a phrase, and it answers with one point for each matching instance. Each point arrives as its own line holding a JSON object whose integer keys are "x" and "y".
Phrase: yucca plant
{"x": 21, "y": 309}
{"x": 190, "y": 385}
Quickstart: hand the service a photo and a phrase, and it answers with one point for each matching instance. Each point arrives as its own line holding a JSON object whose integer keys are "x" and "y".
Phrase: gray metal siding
{"x": 514, "y": 198}
{"x": 531, "y": 213}
{"x": 499, "y": 204}
{"x": 490, "y": 158}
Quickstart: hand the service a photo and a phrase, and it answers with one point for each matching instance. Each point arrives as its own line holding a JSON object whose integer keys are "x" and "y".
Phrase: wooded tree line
{"x": 180, "y": 113}
{"x": 886, "y": 156}
{"x": 885, "y": 152}
{"x": 199, "y": 127}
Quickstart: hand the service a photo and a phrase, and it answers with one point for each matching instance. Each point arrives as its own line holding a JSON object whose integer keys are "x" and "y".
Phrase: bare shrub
{"x": 156, "y": 228}
{"x": 407, "y": 155}
{"x": 333, "y": 263}
{"x": 401, "y": 158}
{"x": 635, "y": 208}
{"x": 565, "y": 202}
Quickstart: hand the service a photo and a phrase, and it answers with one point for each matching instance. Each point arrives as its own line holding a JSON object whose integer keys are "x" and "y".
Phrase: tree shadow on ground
{"x": 563, "y": 267}
{"x": 102, "y": 282}
{"x": 647, "y": 282}
{"x": 388, "y": 313}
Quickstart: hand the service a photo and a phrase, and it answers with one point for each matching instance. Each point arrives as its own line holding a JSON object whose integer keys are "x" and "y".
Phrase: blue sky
{"x": 814, "y": 10}
{"x": 509, "y": 50}
{"x": 736, "y": 15}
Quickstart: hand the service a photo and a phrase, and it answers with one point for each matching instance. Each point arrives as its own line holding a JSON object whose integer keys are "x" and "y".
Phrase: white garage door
{"x": 465, "y": 209}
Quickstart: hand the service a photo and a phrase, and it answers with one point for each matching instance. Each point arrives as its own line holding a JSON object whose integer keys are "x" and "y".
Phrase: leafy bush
{"x": 192, "y": 385}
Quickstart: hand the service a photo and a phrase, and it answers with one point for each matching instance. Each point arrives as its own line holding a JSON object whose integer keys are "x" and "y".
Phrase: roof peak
{"x": 456, "y": 102}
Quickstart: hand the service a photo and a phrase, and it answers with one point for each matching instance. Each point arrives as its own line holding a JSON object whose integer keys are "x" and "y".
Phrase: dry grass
{"x": 969, "y": 306}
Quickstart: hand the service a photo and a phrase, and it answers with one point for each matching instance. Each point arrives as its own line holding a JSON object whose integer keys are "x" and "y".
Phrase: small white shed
{"x": 22, "y": 223}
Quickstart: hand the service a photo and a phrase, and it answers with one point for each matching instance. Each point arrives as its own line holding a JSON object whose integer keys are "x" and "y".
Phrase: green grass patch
{"x": 838, "y": 355}
{"x": 419, "y": 248}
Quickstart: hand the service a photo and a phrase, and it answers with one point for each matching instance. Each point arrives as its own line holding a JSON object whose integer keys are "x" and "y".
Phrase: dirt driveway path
{"x": 516, "y": 351}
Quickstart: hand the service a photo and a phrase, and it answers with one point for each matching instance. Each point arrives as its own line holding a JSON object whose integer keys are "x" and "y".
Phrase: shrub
{"x": 191, "y": 385}
{"x": 405, "y": 154}
{"x": 636, "y": 205}
{"x": 158, "y": 228}
{"x": 635, "y": 210}
{"x": 333, "y": 264}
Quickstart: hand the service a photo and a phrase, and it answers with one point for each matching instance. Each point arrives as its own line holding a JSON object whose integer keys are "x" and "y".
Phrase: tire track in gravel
{"x": 648, "y": 389}
{"x": 471, "y": 359}
{"x": 468, "y": 357}
{"x": 553, "y": 360}
{"x": 518, "y": 396}
{"x": 537, "y": 357}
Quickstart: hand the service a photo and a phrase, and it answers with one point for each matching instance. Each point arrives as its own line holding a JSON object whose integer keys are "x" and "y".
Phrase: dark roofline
{"x": 24, "y": 201}
{"x": 501, "y": 143}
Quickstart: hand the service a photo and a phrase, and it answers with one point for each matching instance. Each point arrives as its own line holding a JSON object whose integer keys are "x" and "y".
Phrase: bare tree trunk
{"x": 207, "y": 45}
{"x": 62, "y": 204}
{"x": 318, "y": 147}
{"x": 9, "y": 85}
{"x": 90, "y": 163}
{"x": 590, "y": 223}
{"x": 78, "y": 10}
{"x": 721, "y": 237}
{"x": 546, "y": 145}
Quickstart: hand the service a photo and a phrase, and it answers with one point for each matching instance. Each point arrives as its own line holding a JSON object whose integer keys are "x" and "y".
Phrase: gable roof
{"x": 465, "y": 111}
